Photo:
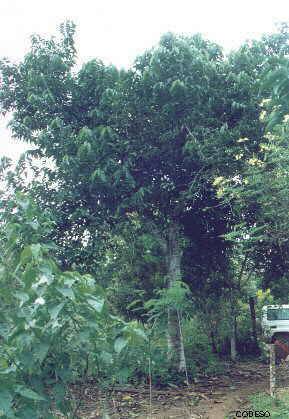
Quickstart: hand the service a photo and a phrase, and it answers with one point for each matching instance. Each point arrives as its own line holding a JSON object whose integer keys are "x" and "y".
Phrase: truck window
{"x": 278, "y": 314}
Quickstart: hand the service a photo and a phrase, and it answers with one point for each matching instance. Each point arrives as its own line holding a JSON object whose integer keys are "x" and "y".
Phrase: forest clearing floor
{"x": 213, "y": 397}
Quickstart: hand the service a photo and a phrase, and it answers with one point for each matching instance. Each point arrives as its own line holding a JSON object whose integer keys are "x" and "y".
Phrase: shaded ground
{"x": 210, "y": 398}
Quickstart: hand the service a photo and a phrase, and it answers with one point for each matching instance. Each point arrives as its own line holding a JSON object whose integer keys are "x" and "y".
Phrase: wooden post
{"x": 272, "y": 370}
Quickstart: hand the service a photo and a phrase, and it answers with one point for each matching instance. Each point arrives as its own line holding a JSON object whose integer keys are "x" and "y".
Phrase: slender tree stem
{"x": 182, "y": 340}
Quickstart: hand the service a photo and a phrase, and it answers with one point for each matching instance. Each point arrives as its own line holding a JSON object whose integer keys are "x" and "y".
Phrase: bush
{"x": 136, "y": 361}
{"x": 200, "y": 357}
{"x": 55, "y": 327}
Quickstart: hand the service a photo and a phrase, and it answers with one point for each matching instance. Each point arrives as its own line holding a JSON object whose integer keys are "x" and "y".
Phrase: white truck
{"x": 275, "y": 324}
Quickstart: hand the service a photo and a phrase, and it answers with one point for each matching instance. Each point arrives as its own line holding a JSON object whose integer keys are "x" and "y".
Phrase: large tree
{"x": 146, "y": 141}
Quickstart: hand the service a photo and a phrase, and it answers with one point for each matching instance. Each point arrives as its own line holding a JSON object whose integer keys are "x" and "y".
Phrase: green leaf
{"x": 22, "y": 296}
{"x": 98, "y": 176}
{"x": 59, "y": 392}
{"x": 29, "y": 275}
{"x": 7, "y": 371}
{"x": 119, "y": 344}
{"x": 85, "y": 134}
{"x": 66, "y": 292}
{"x": 106, "y": 357}
{"x": 55, "y": 310}
{"x": 29, "y": 394}
{"x": 140, "y": 333}
{"x": 34, "y": 225}
{"x": 177, "y": 88}
{"x": 41, "y": 350}
{"x": 2, "y": 270}
{"x": 122, "y": 375}
{"x": 22, "y": 201}
{"x": 28, "y": 412}
{"x": 36, "y": 250}
{"x": 97, "y": 304}
{"x": 26, "y": 255}
{"x": 56, "y": 123}
{"x": 6, "y": 399}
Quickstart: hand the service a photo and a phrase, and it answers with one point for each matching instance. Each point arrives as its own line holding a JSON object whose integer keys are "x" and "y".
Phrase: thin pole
{"x": 150, "y": 383}
{"x": 150, "y": 370}
{"x": 272, "y": 370}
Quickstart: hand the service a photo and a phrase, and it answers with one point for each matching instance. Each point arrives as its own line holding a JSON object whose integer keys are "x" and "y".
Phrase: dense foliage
{"x": 56, "y": 327}
{"x": 147, "y": 225}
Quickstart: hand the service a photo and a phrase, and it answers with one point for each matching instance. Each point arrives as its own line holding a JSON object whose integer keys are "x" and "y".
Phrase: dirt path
{"x": 244, "y": 380}
{"x": 210, "y": 398}
{"x": 220, "y": 397}
{"x": 230, "y": 401}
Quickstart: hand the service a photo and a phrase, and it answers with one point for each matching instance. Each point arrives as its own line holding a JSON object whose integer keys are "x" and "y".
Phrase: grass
{"x": 278, "y": 406}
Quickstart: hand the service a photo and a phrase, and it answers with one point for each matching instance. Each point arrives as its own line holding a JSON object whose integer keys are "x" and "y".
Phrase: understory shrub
{"x": 55, "y": 327}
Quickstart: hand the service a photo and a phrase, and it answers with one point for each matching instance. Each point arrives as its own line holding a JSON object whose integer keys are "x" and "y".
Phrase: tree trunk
{"x": 213, "y": 342}
{"x": 176, "y": 351}
{"x": 233, "y": 336}
{"x": 254, "y": 323}
{"x": 233, "y": 339}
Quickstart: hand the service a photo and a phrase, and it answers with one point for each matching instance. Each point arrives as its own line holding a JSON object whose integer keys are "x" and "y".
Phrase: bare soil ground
{"x": 210, "y": 398}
